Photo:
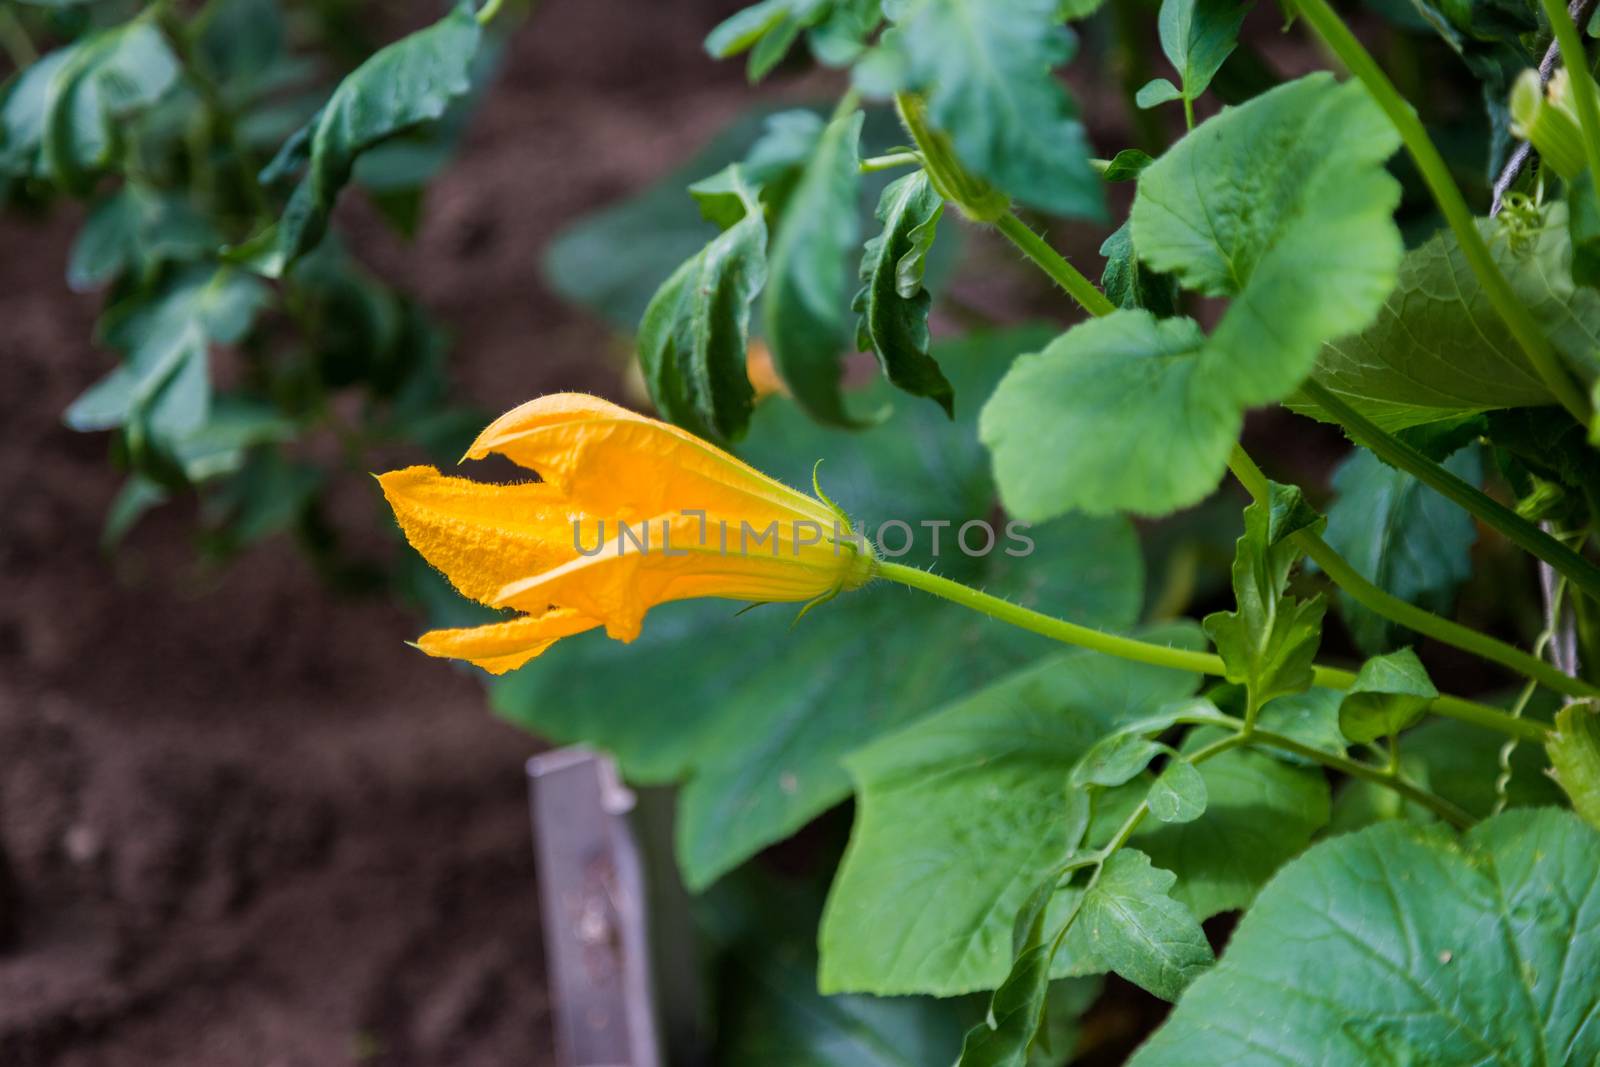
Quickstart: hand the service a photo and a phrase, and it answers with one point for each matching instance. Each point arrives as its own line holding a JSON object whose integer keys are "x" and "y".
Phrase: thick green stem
{"x": 891, "y": 161}
{"x": 487, "y": 13}
{"x": 1541, "y": 356}
{"x": 1162, "y": 655}
{"x": 1358, "y": 588}
{"x": 1054, "y": 264}
{"x": 1583, "y": 89}
{"x": 1582, "y": 573}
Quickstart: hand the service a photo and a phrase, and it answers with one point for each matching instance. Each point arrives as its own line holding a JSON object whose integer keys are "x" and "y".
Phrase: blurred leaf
{"x": 694, "y": 338}
{"x": 759, "y": 737}
{"x": 1401, "y": 536}
{"x": 893, "y": 301}
{"x": 1430, "y": 949}
{"x": 806, "y": 297}
{"x": 985, "y": 67}
{"x": 136, "y": 229}
{"x": 410, "y": 82}
{"x": 24, "y": 107}
{"x": 164, "y": 381}
{"x": 103, "y": 80}
{"x": 133, "y": 501}
{"x": 1126, "y": 166}
{"x": 1583, "y": 230}
{"x": 1439, "y": 350}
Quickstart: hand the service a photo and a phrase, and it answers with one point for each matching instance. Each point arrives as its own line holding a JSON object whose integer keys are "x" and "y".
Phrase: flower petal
{"x": 504, "y": 646}
{"x": 613, "y": 462}
{"x": 636, "y": 571}
{"x": 481, "y": 536}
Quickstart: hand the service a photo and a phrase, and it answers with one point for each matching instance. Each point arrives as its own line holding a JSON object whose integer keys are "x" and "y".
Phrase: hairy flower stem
{"x": 1395, "y": 452}
{"x": 1163, "y": 655}
{"x": 1054, "y": 264}
{"x": 1363, "y": 592}
{"x": 1541, "y": 355}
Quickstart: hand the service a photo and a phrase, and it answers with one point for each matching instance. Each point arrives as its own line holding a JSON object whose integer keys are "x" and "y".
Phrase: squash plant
{"x": 1049, "y": 781}
{"x": 1414, "y": 882}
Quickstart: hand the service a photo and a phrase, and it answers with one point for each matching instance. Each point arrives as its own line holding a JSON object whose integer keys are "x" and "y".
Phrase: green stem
{"x": 1188, "y": 113}
{"x": 1368, "y": 773}
{"x": 1054, "y": 264}
{"x": 1541, "y": 356}
{"x": 1583, "y": 88}
{"x": 892, "y": 161}
{"x": 487, "y": 13}
{"x": 1395, "y": 452}
{"x": 1362, "y": 591}
{"x": 1162, "y": 655}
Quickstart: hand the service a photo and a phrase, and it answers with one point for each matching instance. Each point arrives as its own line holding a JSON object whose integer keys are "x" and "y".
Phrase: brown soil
{"x": 240, "y": 823}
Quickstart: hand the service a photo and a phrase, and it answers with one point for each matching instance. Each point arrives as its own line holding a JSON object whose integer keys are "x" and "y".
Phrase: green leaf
{"x": 1155, "y": 92}
{"x": 1300, "y": 238}
{"x": 401, "y": 87}
{"x": 840, "y": 38}
{"x": 1126, "y": 166}
{"x": 1127, "y": 282}
{"x": 1015, "y": 1011}
{"x": 25, "y": 103}
{"x": 107, "y": 78}
{"x": 985, "y": 67}
{"x": 136, "y": 229}
{"x": 1197, "y": 35}
{"x": 961, "y": 816}
{"x": 759, "y": 739}
{"x": 1178, "y": 795}
{"x": 1134, "y": 928}
{"x": 164, "y": 383}
{"x": 1260, "y": 812}
{"x": 1115, "y": 759}
{"x": 1093, "y": 401}
{"x": 1312, "y": 718}
{"x": 1268, "y": 642}
{"x": 1574, "y": 749}
{"x": 1426, "y": 950}
{"x": 740, "y": 31}
{"x": 1142, "y": 414}
{"x": 804, "y": 309}
{"x": 695, "y": 333}
{"x": 1403, "y": 537}
{"x": 893, "y": 302}
{"x": 1439, "y": 350}
{"x": 1390, "y": 693}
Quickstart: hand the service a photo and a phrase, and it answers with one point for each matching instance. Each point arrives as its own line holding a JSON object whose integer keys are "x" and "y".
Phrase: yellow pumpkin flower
{"x": 629, "y": 513}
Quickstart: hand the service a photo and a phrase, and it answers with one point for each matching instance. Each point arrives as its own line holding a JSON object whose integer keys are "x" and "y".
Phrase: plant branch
{"x": 1054, "y": 264}
{"x": 1358, "y": 588}
{"x": 891, "y": 161}
{"x": 1541, "y": 355}
{"x": 1582, "y": 573}
{"x": 1366, "y": 772}
{"x": 1163, "y": 655}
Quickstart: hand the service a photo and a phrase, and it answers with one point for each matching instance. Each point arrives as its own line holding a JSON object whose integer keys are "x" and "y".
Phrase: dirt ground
{"x": 244, "y": 824}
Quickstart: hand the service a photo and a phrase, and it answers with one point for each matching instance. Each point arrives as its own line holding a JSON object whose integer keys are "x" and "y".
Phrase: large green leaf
{"x": 760, "y": 723}
{"x": 893, "y": 301}
{"x": 1116, "y": 414}
{"x": 805, "y": 305}
{"x": 1300, "y": 238}
{"x": 1403, "y": 944}
{"x": 401, "y": 87}
{"x": 959, "y": 817}
{"x": 1403, "y": 537}
{"x": 1438, "y": 349}
{"x": 695, "y": 333}
{"x": 985, "y": 67}
{"x": 1138, "y": 415}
